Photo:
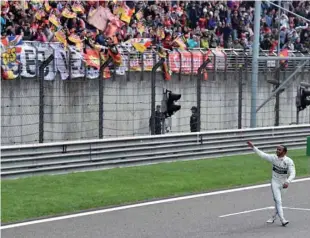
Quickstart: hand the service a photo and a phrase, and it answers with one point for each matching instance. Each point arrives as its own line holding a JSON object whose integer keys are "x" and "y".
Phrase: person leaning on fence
{"x": 194, "y": 119}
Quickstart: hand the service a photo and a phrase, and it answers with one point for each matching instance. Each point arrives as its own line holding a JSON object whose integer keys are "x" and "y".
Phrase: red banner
{"x": 189, "y": 62}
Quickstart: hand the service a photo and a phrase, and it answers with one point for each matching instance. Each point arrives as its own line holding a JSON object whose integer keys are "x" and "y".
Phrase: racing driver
{"x": 283, "y": 173}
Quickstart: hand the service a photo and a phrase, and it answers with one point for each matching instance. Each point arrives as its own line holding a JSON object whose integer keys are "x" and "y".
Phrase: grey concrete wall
{"x": 71, "y": 110}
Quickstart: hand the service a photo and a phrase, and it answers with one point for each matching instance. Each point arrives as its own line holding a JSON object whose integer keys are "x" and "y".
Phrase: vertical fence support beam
{"x": 41, "y": 96}
{"x": 153, "y": 94}
{"x": 180, "y": 57}
{"x": 70, "y": 63}
{"x": 277, "y": 104}
{"x": 102, "y": 68}
{"x": 142, "y": 67}
{"x": 163, "y": 118}
{"x": 128, "y": 72}
{"x": 199, "y": 79}
{"x": 192, "y": 65}
{"x": 214, "y": 68}
{"x": 297, "y": 117}
{"x": 41, "y": 104}
{"x": 255, "y": 62}
{"x": 246, "y": 68}
{"x": 240, "y": 83}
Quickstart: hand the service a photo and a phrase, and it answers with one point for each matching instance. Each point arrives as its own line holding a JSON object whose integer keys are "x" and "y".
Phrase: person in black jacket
{"x": 194, "y": 119}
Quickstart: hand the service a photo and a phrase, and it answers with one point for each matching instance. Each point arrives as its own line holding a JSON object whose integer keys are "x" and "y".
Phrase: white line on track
{"x": 142, "y": 205}
{"x": 248, "y": 211}
{"x": 264, "y": 208}
{"x": 296, "y": 208}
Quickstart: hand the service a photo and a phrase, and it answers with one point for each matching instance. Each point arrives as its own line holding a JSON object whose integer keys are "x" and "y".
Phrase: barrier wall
{"x": 71, "y": 107}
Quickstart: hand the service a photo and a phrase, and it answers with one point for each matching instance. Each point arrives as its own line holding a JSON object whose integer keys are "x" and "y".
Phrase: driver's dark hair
{"x": 284, "y": 148}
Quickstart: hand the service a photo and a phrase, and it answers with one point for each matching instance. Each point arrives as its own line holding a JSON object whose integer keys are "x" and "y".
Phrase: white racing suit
{"x": 283, "y": 171}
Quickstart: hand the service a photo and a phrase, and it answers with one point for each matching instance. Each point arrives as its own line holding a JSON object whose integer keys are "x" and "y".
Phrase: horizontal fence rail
{"x": 74, "y": 156}
{"x": 71, "y": 63}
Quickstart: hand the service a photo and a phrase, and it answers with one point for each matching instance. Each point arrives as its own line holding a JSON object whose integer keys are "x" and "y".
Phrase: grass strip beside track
{"x": 55, "y": 195}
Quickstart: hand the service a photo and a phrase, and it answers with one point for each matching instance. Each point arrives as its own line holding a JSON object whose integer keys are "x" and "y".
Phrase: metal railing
{"x": 65, "y": 157}
{"x": 70, "y": 62}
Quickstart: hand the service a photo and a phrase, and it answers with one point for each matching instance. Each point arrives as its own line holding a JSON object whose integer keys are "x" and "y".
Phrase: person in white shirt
{"x": 283, "y": 173}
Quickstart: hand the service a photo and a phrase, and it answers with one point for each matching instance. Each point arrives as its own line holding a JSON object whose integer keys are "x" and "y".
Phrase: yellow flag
{"x": 61, "y": 37}
{"x": 139, "y": 47}
{"x": 68, "y": 14}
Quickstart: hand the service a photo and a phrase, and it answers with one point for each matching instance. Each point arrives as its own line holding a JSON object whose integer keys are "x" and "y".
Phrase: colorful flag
{"x": 77, "y": 40}
{"x": 100, "y": 17}
{"x": 68, "y": 14}
{"x": 139, "y": 47}
{"x": 126, "y": 13}
{"x": 39, "y": 14}
{"x": 140, "y": 27}
{"x": 139, "y": 15}
{"x": 47, "y": 6}
{"x": 140, "y": 44}
{"x": 78, "y": 8}
{"x": 180, "y": 43}
{"x": 61, "y": 37}
{"x": 91, "y": 58}
{"x": 166, "y": 71}
{"x": 160, "y": 33}
{"x": 55, "y": 20}
{"x": 284, "y": 53}
{"x": 116, "y": 56}
{"x": 10, "y": 54}
{"x": 25, "y": 5}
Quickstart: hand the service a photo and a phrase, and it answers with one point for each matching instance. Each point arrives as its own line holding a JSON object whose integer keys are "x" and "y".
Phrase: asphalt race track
{"x": 217, "y": 215}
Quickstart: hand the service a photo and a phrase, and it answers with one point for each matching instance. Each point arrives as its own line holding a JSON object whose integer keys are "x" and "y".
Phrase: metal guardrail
{"x": 65, "y": 157}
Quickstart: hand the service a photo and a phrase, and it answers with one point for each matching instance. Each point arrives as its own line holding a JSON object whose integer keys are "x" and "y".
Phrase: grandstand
{"x": 172, "y": 24}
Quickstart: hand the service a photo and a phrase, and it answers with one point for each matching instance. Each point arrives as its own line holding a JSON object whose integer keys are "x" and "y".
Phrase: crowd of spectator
{"x": 190, "y": 24}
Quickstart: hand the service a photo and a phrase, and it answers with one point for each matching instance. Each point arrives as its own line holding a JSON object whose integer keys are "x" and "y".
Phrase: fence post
{"x": 41, "y": 96}
{"x": 128, "y": 66}
{"x": 297, "y": 116}
{"x": 102, "y": 68}
{"x": 153, "y": 94}
{"x": 69, "y": 63}
{"x": 240, "y": 98}
{"x": 142, "y": 67}
{"x": 192, "y": 65}
{"x": 277, "y": 104}
{"x": 180, "y": 72}
{"x": 199, "y": 79}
